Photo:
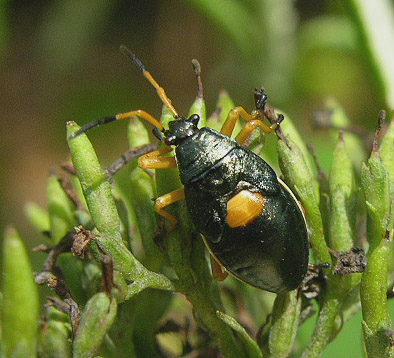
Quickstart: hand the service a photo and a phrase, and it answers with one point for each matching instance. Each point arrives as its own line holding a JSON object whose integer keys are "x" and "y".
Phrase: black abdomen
{"x": 271, "y": 252}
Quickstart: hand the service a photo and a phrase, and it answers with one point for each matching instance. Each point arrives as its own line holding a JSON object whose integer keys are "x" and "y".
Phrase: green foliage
{"x": 377, "y": 40}
{"x": 97, "y": 317}
{"x": 183, "y": 266}
{"x": 19, "y": 316}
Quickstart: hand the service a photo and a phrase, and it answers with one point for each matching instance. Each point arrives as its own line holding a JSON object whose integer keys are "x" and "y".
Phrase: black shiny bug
{"x": 251, "y": 222}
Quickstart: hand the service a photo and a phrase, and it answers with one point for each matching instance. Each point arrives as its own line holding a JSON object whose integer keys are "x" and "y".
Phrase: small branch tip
{"x": 197, "y": 72}
{"x": 340, "y": 136}
{"x": 381, "y": 119}
{"x": 196, "y": 67}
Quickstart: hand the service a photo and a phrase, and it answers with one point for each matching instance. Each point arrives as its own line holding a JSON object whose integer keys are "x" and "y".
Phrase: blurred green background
{"x": 60, "y": 61}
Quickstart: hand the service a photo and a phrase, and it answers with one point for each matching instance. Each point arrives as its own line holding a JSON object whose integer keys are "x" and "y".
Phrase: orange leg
{"x": 234, "y": 114}
{"x": 251, "y": 126}
{"x": 252, "y": 120}
{"x": 168, "y": 199}
{"x": 153, "y": 160}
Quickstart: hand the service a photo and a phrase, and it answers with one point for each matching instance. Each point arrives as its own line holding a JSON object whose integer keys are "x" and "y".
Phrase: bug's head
{"x": 180, "y": 129}
{"x": 260, "y": 98}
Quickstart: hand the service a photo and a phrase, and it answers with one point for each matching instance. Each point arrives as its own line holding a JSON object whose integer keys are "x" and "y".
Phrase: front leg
{"x": 154, "y": 160}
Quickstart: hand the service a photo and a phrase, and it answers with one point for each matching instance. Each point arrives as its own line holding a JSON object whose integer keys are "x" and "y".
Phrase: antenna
{"x": 140, "y": 113}
{"x": 160, "y": 91}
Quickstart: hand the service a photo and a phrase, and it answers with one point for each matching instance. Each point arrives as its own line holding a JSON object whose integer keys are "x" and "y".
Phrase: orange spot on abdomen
{"x": 243, "y": 208}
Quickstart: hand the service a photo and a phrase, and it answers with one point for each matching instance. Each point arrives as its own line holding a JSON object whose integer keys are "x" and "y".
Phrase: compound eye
{"x": 170, "y": 140}
{"x": 194, "y": 118}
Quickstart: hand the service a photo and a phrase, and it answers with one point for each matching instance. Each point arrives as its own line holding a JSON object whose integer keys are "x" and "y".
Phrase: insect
{"x": 251, "y": 222}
